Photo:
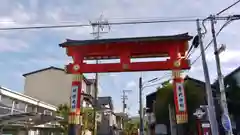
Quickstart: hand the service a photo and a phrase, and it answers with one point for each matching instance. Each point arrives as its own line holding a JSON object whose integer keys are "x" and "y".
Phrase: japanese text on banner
{"x": 74, "y": 94}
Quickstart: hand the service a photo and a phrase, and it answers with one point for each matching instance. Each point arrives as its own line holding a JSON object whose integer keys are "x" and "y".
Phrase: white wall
{"x": 52, "y": 86}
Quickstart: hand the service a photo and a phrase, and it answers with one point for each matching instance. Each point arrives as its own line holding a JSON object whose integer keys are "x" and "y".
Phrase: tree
{"x": 194, "y": 95}
{"x": 232, "y": 89}
{"x": 233, "y": 95}
{"x": 131, "y": 126}
{"x": 87, "y": 117}
{"x": 63, "y": 111}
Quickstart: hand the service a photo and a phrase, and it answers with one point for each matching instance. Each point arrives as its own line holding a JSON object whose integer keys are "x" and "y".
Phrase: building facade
{"x": 18, "y": 111}
{"x": 53, "y": 85}
{"x": 15, "y": 102}
{"x": 107, "y": 119}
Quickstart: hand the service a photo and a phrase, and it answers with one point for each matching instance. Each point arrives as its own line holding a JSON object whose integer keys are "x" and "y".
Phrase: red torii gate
{"x": 174, "y": 47}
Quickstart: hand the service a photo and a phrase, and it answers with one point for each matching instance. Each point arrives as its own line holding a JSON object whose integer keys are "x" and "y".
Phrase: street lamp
{"x": 141, "y": 87}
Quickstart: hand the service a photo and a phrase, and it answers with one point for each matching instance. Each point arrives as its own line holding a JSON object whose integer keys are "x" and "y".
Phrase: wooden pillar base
{"x": 74, "y": 129}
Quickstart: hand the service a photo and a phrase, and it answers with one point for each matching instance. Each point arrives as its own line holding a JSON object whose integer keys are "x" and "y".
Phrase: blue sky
{"x": 23, "y": 51}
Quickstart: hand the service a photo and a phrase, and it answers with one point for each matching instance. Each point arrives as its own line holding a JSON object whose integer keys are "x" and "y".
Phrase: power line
{"x": 45, "y": 27}
{"x": 151, "y": 18}
{"x": 154, "y": 21}
{"x": 208, "y": 45}
{"x": 225, "y": 9}
{"x": 109, "y": 23}
{"x": 166, "y": 75}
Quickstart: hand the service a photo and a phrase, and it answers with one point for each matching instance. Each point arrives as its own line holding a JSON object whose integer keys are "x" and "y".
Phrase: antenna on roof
{"x": 99, "y": 27}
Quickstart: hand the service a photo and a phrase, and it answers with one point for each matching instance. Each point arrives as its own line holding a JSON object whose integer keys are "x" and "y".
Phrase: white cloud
{"x": 7, "y": 22}
{"x": 12, "y": 45}
{"x": 131, "y": 84}
{"x": 229, "y": 56}
{"x": 114, "y": 74}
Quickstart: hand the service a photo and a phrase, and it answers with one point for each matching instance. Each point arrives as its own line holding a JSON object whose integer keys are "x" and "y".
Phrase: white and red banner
{"x": 179, "y": 98}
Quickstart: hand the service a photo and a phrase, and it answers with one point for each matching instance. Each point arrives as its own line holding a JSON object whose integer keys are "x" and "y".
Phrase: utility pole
{"x": 211, "y": 108}
{"x": 141, "y": 112}
{"x": 141, "y": 128}
{"x": 170, "y": 118}
{"x": 100, "y": 25}
{"x": 124, "y": 98}
{"x": 220, "y": 76}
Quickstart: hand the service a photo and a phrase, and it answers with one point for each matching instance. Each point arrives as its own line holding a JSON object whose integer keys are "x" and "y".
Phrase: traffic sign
{"x": 199, "y": 113}
{"x": 226, "y": 122}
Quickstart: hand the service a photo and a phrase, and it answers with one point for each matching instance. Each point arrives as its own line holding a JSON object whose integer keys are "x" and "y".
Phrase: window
{"x": 89, "y": 89}
{"x": 87, "y": 104}
{"x": 16, "y": 105}
{"x": 92, "y": 87}
{"x": 19, "y": 105}
{"x": 6, "y": 101}
{"x": 30, "y": 108}
{"x": 47, "y": 112}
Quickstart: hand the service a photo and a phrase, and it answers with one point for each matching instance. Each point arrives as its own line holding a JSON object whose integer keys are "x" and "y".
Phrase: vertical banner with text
{"x": 75, "y": 99}
{"x": 74, "y": 94}
{"x": 179, "y": 98}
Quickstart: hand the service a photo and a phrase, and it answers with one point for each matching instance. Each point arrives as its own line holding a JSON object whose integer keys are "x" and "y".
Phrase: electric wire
{"x": 156, "y": 18}
{"x": 208, "y": 45}
{"x": 167, "y": 75}
{"x": 190, "y": 53}
{"x": 205, "y": 29}
{"x": 45, "y": 27}
{"x": 225, "y": 9}
{"x": 88, "y": 25}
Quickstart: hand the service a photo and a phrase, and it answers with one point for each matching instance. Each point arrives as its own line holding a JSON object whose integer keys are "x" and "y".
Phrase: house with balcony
{"x": 21, "y": 114}
{"x": 107, "y": 118}
{"x": 120, "y": 119}
{"x": 109, "y": 122}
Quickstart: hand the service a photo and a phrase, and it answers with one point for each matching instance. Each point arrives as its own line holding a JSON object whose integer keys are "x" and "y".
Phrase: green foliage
{"x": 63, "y": 111}
{"x": 233, "y": 95}
{"x": 194, "y": 95}
{"x": 132, "y": 126}
{"x": 88, "y": 118}
{"x": 164, "y": 98}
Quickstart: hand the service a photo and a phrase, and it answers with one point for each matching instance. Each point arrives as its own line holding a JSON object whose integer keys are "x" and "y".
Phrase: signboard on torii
{"x": 174, "y": 47}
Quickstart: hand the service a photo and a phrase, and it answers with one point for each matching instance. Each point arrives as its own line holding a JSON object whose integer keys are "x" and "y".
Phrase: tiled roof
{"x": 70, "y": 42}
{"x": 88, "y": 81}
